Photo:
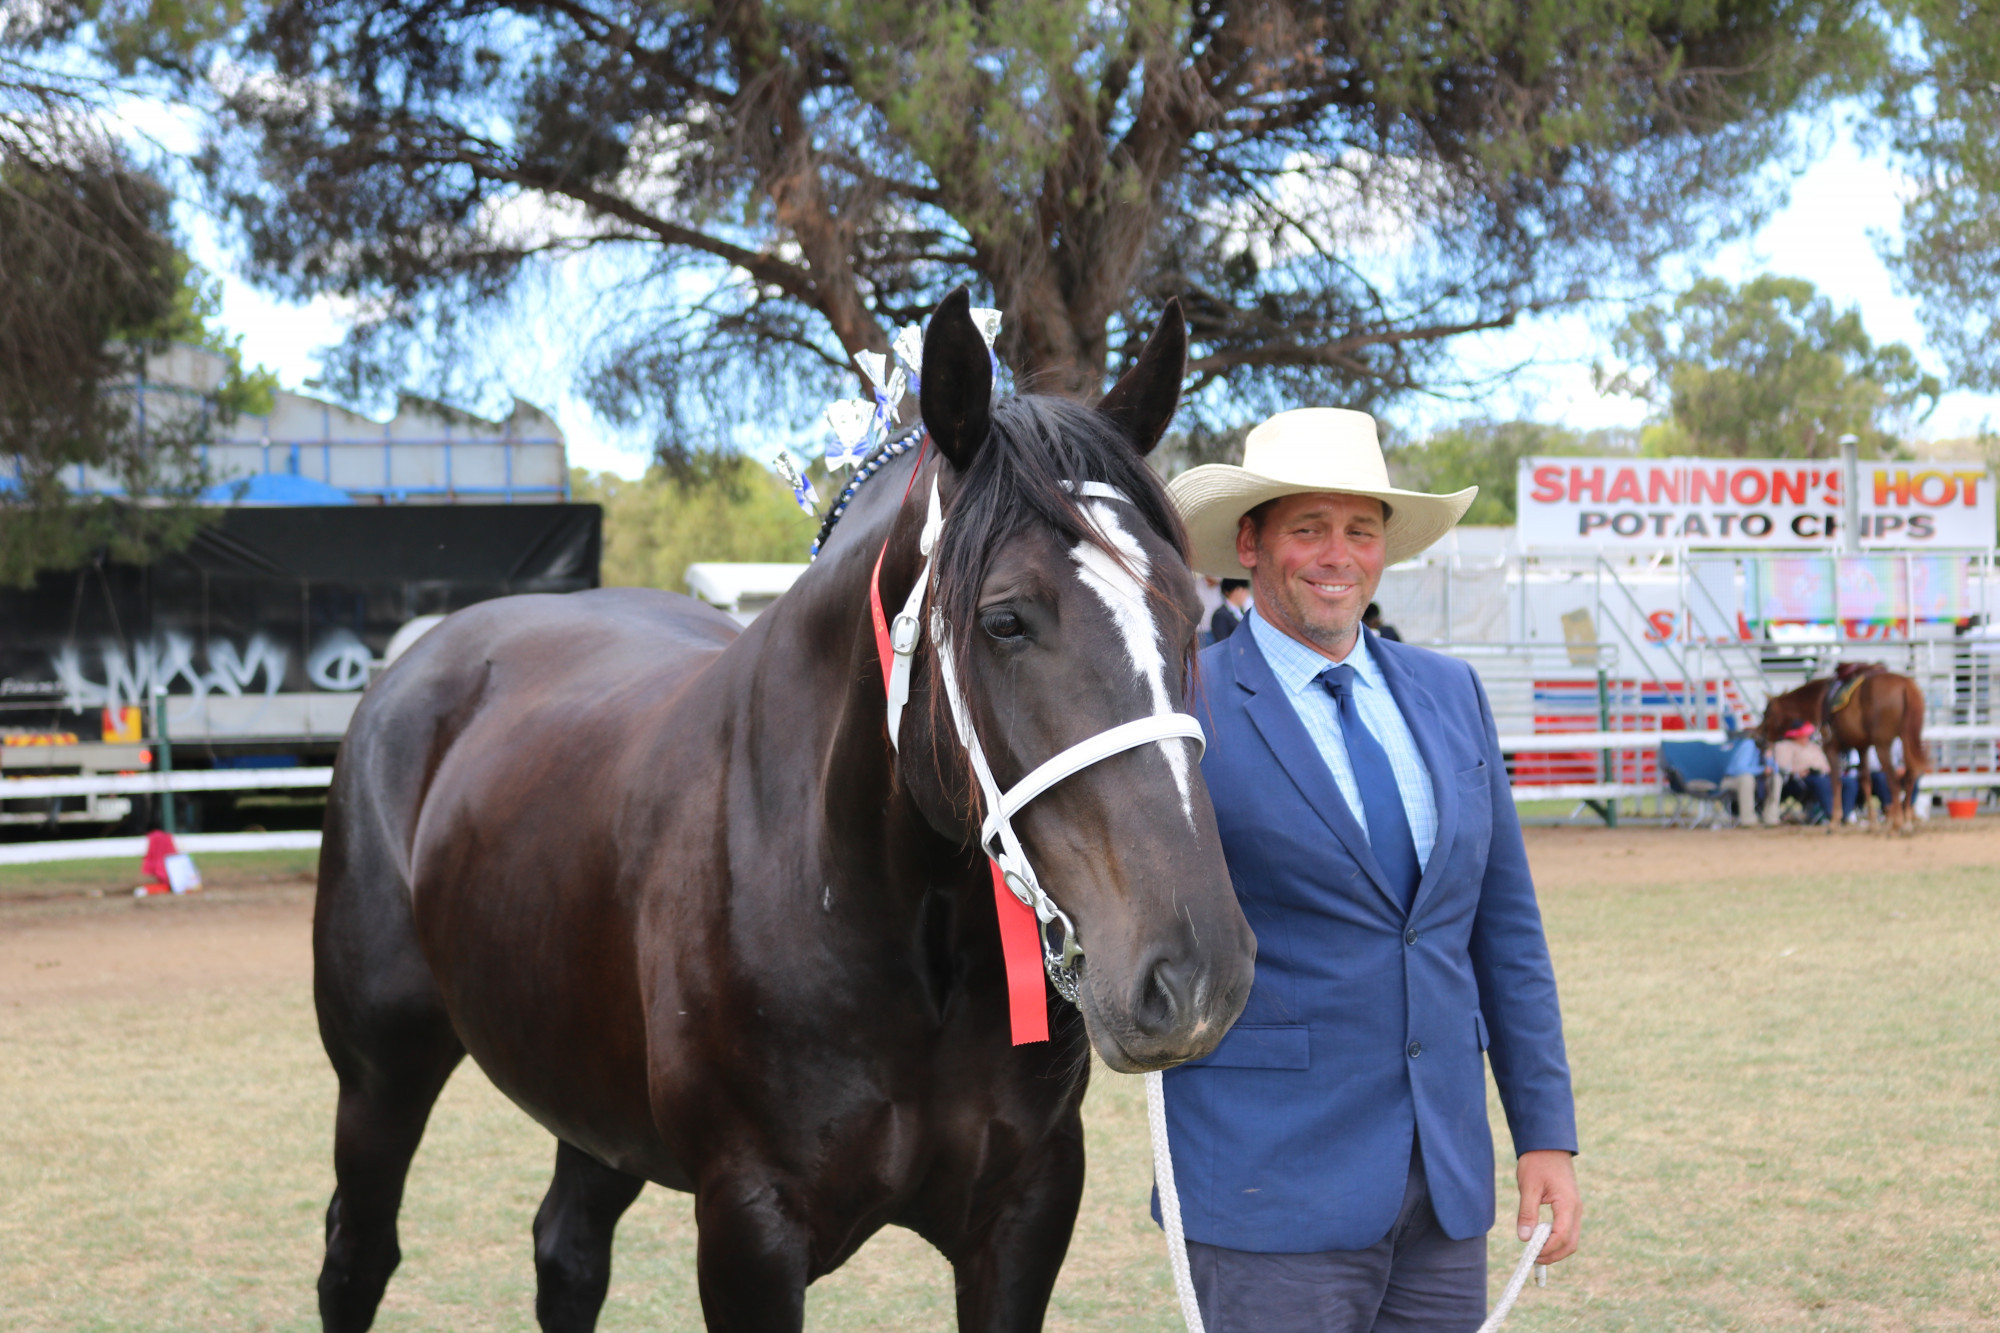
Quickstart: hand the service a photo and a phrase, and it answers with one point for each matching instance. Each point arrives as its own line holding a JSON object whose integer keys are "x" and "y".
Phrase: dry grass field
{"x": 1785, "y": 1047}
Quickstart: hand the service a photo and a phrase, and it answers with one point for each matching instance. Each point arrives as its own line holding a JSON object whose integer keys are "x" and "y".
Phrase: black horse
{"x": 680, "y": 898}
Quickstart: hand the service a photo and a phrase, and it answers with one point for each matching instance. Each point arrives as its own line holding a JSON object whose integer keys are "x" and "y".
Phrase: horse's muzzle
{"x": 1175, "y": 1007}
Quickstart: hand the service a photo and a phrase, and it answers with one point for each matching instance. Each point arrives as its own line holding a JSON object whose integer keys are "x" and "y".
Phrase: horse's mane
{"x": 1016, "y": 479}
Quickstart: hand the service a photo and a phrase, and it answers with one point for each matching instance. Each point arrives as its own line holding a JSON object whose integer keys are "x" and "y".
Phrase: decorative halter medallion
{"x": 1027, "y": 913}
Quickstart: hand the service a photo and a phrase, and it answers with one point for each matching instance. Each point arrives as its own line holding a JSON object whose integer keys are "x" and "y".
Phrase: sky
{"x": 1824, "y": 234}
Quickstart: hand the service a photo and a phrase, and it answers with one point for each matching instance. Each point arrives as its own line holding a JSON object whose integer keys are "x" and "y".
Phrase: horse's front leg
{"x": 1006, "y": 1265}
{"x": 573, "y": 1232}
{"x": 1836, "y": 762}
{"x": 752, "y": 1256}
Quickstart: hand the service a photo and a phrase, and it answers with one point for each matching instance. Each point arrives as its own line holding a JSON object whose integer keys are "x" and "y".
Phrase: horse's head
{"x": 1770, "y": 728}
{"x": 1066, "y": 610}
{"x": 1783, "y": 712}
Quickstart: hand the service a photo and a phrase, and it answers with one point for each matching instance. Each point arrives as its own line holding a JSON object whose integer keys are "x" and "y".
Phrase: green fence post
{"x": 1604, "y": 724}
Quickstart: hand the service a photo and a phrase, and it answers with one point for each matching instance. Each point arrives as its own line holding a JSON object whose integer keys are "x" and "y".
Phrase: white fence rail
{"x": 155, "y": 784}
{"x": 94, "y": 849}
{"x": 274, "y": 779}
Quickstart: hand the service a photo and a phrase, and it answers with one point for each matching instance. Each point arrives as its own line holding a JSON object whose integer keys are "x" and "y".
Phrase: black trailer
{"x": 263, "y": 633}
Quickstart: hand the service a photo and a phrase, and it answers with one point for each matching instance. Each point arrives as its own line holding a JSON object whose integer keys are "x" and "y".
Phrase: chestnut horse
{"x": 680, "y": 894}
{"x": 1885, "y": 708}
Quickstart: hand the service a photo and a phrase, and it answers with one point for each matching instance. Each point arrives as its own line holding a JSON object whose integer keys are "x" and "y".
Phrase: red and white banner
{"x": 1754, "y": 504}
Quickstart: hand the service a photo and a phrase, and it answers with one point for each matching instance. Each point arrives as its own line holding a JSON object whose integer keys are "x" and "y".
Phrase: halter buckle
{"x": 1019, "y": 888}
{"x": 904, "y": 632}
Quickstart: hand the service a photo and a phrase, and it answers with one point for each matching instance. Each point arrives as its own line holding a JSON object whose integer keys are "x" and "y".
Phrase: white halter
{"x": 996, "y": 832}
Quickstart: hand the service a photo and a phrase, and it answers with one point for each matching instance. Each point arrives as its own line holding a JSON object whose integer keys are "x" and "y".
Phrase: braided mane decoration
{"x": 855, "y": 420}
{"x": 890, "y": 449}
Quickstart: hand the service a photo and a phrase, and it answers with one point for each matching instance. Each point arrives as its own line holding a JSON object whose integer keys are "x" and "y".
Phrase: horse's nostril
{"x": 1162, "y": 999}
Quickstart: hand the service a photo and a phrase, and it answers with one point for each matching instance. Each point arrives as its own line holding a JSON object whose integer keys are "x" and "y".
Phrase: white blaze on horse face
{"x": 1125, "y": 597}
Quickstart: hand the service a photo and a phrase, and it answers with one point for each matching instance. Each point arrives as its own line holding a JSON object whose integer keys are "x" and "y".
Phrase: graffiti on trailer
{"x": 339, "y": 661}
{"x": 128, "y": 676}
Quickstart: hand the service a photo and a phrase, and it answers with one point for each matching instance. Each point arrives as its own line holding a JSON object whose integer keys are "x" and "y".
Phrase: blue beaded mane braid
{"x": 892, "y": 448}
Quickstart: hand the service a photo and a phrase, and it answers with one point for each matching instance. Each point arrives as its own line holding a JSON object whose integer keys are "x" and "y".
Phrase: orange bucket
{"x": 1962, "y": 809}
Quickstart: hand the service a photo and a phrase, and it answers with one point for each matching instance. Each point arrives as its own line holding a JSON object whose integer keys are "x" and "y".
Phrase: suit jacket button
{"x": 1410, "y": 935}
{"x": 1416, "y": 1049}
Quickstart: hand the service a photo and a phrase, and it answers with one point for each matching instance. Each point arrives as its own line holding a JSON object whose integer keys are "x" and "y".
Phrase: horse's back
{"x": 475, "y": 833}
{"x": 501, "y": 661}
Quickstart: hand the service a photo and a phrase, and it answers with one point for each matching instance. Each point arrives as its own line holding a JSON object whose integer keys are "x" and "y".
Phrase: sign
{"x": 1859, "y": 590}
{"x": 1749, "y": 504}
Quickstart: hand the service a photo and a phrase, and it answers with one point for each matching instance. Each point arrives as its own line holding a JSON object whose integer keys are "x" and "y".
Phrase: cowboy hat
{"x": 1308, "y": 450}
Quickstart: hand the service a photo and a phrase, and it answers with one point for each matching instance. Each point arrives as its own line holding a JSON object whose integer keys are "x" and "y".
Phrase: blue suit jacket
{"x": 1365, "y": 1024}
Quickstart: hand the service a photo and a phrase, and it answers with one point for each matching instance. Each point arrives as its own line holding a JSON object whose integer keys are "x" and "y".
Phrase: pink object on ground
{"x": 159, "y": 846}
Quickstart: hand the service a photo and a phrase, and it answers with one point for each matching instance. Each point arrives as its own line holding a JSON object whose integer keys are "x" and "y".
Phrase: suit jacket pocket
{"x": 1262, "y": 1046}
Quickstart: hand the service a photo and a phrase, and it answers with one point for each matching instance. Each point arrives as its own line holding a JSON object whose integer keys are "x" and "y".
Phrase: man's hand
{"x": 1549, "y": 1177}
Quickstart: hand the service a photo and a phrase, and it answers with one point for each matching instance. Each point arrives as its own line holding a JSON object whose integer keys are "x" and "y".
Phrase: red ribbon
{"x": 1021, "y": 944}
{"x": 1020, "y": 935}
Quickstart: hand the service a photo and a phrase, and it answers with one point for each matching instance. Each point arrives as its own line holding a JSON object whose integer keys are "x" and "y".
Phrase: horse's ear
{"x": 1143, "y": 401}
{"x": 956, "y": 397}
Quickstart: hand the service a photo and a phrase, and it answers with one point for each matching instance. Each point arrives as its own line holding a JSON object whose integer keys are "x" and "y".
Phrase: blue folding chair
{"x": 1691, "y": 772}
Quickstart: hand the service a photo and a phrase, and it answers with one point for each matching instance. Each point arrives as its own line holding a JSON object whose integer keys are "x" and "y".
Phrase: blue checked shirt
{"x": 1297, "y": 668}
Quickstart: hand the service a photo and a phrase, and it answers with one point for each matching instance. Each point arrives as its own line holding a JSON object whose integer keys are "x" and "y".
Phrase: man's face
{"x": 1314, "y": 563}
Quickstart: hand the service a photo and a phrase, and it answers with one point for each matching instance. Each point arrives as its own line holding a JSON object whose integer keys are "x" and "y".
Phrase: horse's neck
{"x": 822, "y": 642}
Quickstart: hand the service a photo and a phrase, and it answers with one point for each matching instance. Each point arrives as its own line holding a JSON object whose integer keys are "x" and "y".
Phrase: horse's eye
{"x": 1001, "y": 624}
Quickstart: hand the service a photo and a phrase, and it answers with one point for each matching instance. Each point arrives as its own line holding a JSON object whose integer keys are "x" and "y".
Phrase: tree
{"x": 1768, "y": 370}
{"x": 1486, "y": 454}
{"x": 767, "y": 187}
{"x": 86, "y": 270}
{"x": 1940, "y": 120}
{"x": 730, "y": 509}
{"x": 91, "y": 280}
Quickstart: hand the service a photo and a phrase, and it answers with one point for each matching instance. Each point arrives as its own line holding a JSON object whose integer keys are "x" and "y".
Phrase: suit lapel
{"x": 1419, "y": 710}
{"x": 1271, "y": 711}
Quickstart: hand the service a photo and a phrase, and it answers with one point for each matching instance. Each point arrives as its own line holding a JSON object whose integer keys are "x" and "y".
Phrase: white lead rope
{"x": 1177, "y": 1260}
{"x": 1170, "y": 1201}
{"x": 1529, "y": 1253}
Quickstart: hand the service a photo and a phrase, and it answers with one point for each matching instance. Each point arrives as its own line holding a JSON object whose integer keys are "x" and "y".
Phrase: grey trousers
{"x": 1416, "y": 1279}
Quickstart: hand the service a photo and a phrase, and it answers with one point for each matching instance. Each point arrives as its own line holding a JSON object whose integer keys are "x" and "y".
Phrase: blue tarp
{"x": 276, "y": 488}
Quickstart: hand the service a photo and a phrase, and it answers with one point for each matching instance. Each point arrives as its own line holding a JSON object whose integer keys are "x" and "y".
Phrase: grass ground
{"x": 54, "y": 880}
{"x": 1784, "y": 1047}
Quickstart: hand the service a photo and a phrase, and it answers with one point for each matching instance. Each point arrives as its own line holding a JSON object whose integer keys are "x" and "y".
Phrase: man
{"x": 1333, "y": 1157}
{"x": 1372, "y": 619}
{"x": 1806, "y": 775}
{"x": 1235, "y": 604}
{"x": 1740, "y": 775}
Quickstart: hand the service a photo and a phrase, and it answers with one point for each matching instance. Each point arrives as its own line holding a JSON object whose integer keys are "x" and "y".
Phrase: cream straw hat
{"x": 1311, "y": 449}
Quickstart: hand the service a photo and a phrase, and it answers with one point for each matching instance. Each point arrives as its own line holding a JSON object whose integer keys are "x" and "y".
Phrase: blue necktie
{"x": 1381, "y": 799}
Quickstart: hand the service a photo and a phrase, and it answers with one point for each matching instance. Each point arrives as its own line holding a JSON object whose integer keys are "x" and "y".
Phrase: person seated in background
{"x": 1743, "y": 775}
{"x": 1805, "y": 774}
{"x": 1878, "y": 781}
{"x": 1372, "y": 618}
{"x": 1235, "y": 605}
